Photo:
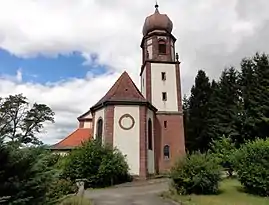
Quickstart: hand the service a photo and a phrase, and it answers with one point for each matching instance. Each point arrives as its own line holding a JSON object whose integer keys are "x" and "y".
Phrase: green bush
{"x": 196, "y": 174}
{"x": 28, "y": 176}
{"x": 252, "y": 166}
{"x": 59, "y": 188}
{"x": 100, "y": 164}
{"x": 223, "y": 150}
{"x": 24, "y": 175}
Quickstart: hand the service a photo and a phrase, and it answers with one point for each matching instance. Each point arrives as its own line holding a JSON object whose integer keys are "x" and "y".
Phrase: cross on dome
{"x": 156, "y": 5}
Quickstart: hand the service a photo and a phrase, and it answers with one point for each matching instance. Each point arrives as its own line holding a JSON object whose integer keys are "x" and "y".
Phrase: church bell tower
{"x": 161, "y": 86}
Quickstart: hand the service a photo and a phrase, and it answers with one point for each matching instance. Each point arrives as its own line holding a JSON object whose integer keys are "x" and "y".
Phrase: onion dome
{"x": 157, "y": 21}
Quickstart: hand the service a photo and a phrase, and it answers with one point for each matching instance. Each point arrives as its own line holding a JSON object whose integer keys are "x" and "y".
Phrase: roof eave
{"x": 61, "y": 148}
{"x": 82, "y": 116}
{"x": 153, "y": 33}
{"x": 124, "y": 102}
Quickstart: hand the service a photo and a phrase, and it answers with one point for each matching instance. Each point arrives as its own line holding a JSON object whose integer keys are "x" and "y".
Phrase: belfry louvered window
{"x": 162, "y": 47}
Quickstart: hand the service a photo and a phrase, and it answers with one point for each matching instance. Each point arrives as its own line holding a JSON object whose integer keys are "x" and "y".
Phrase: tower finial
{"x": 156, "y": 5}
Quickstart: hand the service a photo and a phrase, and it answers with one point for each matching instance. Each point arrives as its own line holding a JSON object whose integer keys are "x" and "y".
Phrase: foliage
{"x": 252, "y": 166}
{"x": 196, "y": 174}
{"x": 20, "y": 122}
{"x": 196, "y": 127}
{"x": 100, "y": 164}
{"x": 236, "y": 105}
{"x": 59, "y": 188}
{"x": 185, "y": 108}
{"x": 223, "y": 150}
{"x": 75, "y": 200}
{"x": 225, "y": 107}
{"x": 231, "y": 193}
{"x": 24, "y": 175}
{"x": 254, "y": 84}
{"x": 28, "y": 176}
{"x": 60, "y": 162}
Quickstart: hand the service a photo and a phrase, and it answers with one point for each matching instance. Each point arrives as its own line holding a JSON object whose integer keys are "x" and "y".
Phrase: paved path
{"x": 138, "y": 194}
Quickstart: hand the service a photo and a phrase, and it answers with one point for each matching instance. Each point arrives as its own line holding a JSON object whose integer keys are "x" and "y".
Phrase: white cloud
{"x": 67, "y": 99}
{"x": 13, "y": 78}
{"x": 112, "y": 29}
{"x": 211, "y": 34}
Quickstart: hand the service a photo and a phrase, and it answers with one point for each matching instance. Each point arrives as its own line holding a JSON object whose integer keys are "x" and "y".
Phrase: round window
{"x": 126, "y": 122}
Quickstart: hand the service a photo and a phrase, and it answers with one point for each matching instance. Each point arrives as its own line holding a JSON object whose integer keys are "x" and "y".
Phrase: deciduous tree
{"x": 20, "y": 122}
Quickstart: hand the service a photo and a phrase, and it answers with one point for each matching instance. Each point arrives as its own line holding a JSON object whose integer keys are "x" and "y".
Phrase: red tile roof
{"x": 74, "y": 139}
{"x": 124, "y": 89}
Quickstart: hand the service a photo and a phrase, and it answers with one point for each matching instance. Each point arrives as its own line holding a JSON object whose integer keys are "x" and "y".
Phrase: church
{"x": 146, "y": 125}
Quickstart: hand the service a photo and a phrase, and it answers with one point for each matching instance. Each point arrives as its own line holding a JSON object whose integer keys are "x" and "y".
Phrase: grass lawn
{"x": 231, "y": 194}
{"x": 75, "y": 200}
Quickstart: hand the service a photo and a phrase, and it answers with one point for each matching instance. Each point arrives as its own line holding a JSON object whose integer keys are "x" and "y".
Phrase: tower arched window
{"x": 162, "y": 47}
{"x": 150, "y": 146}
{"x": 99, "y": 133}
{"x": 166, "y": 152}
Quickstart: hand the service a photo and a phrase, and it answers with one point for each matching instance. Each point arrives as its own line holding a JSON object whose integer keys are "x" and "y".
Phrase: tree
{"x": 254, "y": 82}
{"x": 197, "y": 138}
{"x": 20, "y": 122}
{"x": 225, "y": 107}
{"x": 185, "y": 108}
{"x": 235, "y": 106}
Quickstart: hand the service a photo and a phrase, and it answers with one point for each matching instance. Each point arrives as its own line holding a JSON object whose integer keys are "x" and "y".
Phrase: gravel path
{"x": 143, "y": 193}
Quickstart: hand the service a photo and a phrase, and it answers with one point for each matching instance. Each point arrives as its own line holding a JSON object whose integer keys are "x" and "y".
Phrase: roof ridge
{"x": 119, "y": 82}
{"x": 111, "y": 89}
{"x": 123, "y": 90}
{"x": 138, "y": 90}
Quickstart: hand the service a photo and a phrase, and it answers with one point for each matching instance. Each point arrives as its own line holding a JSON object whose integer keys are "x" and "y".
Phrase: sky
{"x": 68, "y": 53}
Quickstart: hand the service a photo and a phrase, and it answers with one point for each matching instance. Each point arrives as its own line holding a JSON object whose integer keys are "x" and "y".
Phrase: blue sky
{"x": 42, "y": 69}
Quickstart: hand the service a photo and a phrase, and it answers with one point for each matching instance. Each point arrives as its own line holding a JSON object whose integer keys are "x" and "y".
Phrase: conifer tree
{"x": 197, "y": 138}
{"x": 254, "y": 82}
{"x": 185, "y": 108}
{"x": 225, "y": 107}
{"x": 236, "y": 106}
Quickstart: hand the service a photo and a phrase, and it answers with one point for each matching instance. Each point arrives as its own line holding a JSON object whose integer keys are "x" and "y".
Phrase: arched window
{"x": 166, "y": 152}
{"x": 162, "y": 47}
{"x": 150, "y": 134}
{"x": 99, "y": 129}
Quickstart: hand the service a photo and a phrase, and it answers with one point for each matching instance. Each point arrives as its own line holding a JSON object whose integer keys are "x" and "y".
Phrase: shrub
{"x": 196, "y": 174}
{"x": 28, "y": 176}
{"x": 223, "y": 150}
{"x": 252, "y": 166}
{"x": 59, "y": 188}
{"x": 24, "y": 175}
{"x": 100, "y": 164}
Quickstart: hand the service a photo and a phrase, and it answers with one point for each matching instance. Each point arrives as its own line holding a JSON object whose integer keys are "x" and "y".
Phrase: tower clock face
{"x": 126, "y": 122}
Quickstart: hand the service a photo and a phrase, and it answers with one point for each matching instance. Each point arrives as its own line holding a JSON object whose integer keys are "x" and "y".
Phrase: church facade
{"x": 146, "y": 125}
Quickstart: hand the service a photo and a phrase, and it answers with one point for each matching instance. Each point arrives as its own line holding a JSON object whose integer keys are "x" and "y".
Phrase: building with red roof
{"x": 146, "y": 125}
{"x": 76, "y": 138}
